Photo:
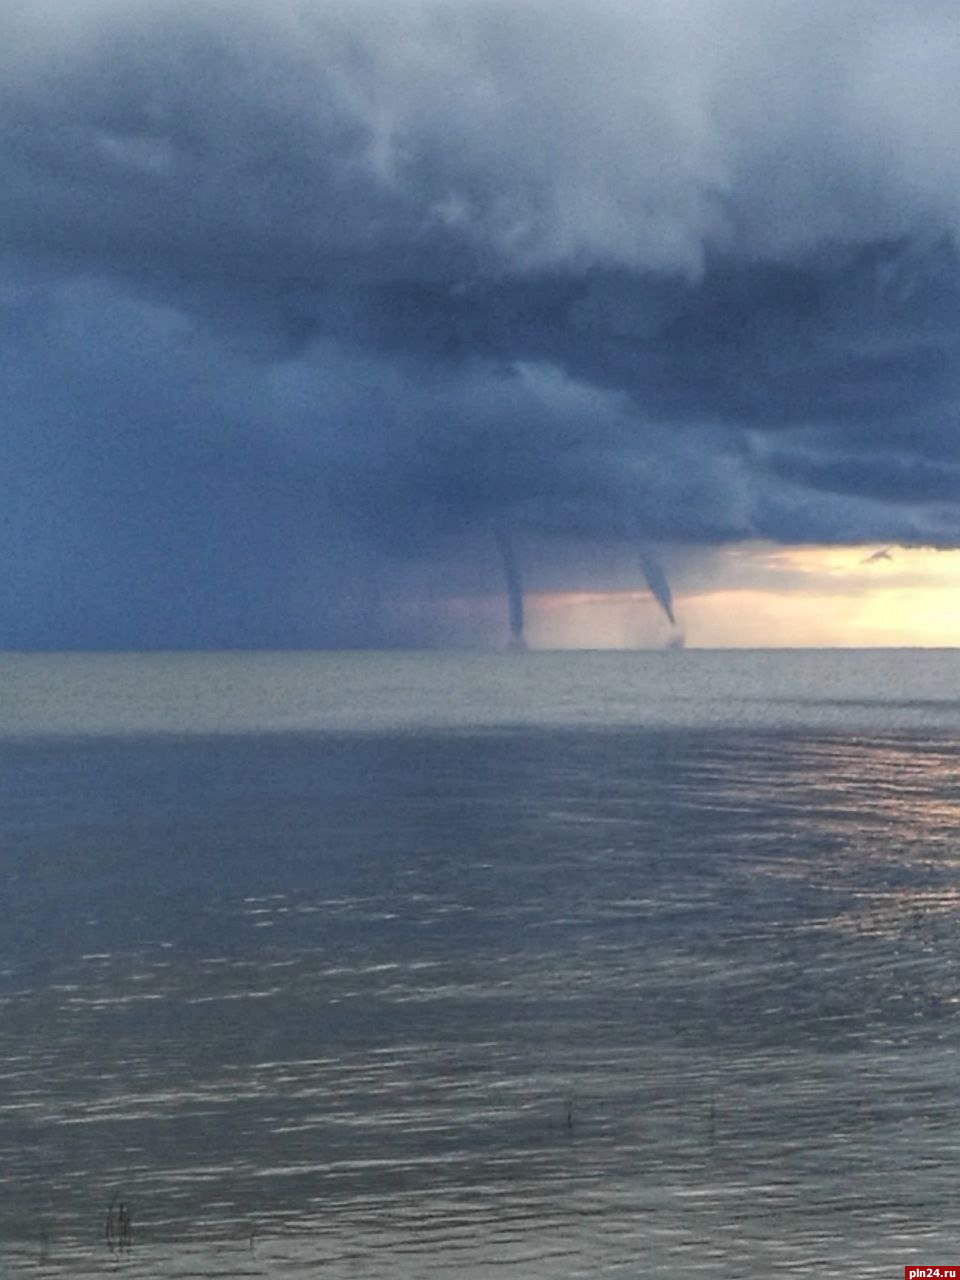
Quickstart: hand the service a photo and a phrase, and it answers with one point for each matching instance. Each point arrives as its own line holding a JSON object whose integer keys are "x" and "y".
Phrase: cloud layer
{"x": 295, "y": 294}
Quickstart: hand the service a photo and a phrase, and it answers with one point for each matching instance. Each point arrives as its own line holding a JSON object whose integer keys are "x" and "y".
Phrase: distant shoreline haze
{"x": 250, "y": 692}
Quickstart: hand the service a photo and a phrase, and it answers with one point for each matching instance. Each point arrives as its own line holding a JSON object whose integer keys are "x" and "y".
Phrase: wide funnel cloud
{"x": 345, "y": 285}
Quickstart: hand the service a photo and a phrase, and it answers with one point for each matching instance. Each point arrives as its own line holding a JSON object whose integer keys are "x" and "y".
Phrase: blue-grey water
{"x": 544, "y": 965}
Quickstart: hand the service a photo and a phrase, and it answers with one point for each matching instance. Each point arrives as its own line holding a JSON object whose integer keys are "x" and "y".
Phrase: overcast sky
{"x": 302, "y": 302}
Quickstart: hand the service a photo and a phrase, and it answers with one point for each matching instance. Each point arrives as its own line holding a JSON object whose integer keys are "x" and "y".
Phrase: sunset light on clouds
{"x": 772, "y": 597}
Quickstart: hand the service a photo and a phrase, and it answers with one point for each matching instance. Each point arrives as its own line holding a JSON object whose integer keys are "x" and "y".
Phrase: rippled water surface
{"x": 552, "y": 966}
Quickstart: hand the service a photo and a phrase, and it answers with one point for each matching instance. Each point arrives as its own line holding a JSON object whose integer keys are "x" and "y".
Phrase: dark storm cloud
{"x": 892, "y": 478}
{"x": 294, "y": 290}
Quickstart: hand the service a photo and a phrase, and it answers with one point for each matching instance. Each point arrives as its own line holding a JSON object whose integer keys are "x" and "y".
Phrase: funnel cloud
{"x": 511, "y": 571}
{"x": 656, "y": 580}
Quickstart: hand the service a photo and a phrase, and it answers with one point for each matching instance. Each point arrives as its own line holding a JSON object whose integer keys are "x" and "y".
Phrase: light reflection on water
{"x": 551, "y": 1005}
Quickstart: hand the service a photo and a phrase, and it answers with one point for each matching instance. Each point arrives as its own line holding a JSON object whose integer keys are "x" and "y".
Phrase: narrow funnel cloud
{"x": 514, "y": 585}
{"x": 657, "y": 582}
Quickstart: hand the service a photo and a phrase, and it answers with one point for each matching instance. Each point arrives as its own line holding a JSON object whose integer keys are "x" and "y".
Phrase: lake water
{"x": 545, "y": 965}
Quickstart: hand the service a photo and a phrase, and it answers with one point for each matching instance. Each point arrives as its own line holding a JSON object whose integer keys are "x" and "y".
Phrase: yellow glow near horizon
{"x": 771, "y": 597}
